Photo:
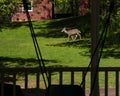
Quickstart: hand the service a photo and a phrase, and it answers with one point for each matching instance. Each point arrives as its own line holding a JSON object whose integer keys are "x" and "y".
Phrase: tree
{"x": 7, "y": 9}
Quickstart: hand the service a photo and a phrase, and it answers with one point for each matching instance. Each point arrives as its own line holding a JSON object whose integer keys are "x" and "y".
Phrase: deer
{"x": 73, "y": 32}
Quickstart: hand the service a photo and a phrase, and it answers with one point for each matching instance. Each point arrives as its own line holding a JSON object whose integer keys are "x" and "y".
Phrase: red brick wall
{"x": 43, "y": 10}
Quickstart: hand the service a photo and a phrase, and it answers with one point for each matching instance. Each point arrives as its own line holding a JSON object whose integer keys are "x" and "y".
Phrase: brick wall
{"x": 42, "y": 10}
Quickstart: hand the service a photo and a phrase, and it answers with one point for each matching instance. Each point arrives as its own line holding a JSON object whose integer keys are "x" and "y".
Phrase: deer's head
{"x": 63, "y": 30}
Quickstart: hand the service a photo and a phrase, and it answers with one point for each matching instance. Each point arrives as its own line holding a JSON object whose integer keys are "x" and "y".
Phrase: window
{"x": 29, "y": 4}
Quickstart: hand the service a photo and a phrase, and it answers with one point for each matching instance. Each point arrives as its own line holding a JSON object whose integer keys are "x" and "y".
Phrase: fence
{"x": 30, "y": 78}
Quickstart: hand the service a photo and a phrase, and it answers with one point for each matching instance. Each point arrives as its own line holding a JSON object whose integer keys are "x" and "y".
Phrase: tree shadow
{"x": 13, "y": 25}
{"x": 22, "y": 62}
{"x": 111, "y": 53}
{"x": 50, "y": 33}
{"x": 53, "y": 28}
{"x": 108, "y": 51}
{"x": 76, "y": 43}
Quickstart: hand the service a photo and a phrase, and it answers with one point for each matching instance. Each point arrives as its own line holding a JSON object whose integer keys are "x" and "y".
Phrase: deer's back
{"x": 74, "y": 31}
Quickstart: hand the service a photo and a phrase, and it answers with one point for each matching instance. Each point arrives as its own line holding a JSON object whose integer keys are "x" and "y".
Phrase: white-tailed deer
{"x": 71, "y": 33}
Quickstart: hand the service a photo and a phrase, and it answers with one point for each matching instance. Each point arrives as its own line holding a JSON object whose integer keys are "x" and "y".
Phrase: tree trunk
{"x": 94, "y": 40}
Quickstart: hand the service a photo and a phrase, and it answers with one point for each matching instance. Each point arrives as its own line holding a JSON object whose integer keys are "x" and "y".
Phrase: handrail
{"x": 32, "y": 70}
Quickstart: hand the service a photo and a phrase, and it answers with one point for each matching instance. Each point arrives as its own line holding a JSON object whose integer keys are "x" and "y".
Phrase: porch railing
{"x": 30, "y": 78}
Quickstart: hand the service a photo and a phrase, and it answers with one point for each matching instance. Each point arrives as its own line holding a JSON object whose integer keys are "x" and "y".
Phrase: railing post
{"x": 14, "y": 84}
{"x": 106, "y": 83}
{"x": 2, "y": 84}
{"x": 26, "y": 80}
{"x": 60, "y": 78}
{"x": 83, "y": 73}
{"x": 117, "y": 83}
{"x": 72, "y": 78}
{"x": 49, "y": 79}
{"x": 37, "y": 80}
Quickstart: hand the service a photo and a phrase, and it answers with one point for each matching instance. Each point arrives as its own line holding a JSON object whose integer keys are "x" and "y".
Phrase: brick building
{"x": 38, "y": 9}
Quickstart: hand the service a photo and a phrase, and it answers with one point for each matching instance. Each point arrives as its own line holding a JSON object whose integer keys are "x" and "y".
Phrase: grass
{"x": 17, "y": 50}
{"x": 16, "y": 43}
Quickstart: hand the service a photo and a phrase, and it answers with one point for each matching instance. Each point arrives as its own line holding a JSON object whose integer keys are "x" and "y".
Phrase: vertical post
{"x": 37, "y": 80}
{"x": 53, "y": 5}
{"x": 2, "y": 84}
{"x": 94, "y": 41}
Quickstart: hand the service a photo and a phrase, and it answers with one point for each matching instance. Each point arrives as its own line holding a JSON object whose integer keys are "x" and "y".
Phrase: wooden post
{"x": 94, "y": 41}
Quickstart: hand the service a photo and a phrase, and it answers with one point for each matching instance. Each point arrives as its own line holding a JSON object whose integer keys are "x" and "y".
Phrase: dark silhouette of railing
{"x": 57, "y": 75}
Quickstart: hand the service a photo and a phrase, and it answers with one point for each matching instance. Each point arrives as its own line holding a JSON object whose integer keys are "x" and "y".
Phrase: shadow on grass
{"x": 77, "y": 43}
{"x": 53, "y": 27}
{"x": 111, "y": 53}
{"x": 50, "y": 33}
{"x": 22, "y": 62}
{"x": 108, "y": 51}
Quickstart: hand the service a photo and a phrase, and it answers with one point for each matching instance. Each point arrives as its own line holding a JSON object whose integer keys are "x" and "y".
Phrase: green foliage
{"x": 66, "y": 7}
{"x": 118, "y": 16}
{"x": 61, "y": 6}
{"x": 7, "y": 8}
{"x": 61, "y": 1}
{"x": 114, "y": 26}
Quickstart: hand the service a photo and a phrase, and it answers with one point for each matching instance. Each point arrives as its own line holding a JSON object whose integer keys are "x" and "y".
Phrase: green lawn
{"x": 17, "y": 50}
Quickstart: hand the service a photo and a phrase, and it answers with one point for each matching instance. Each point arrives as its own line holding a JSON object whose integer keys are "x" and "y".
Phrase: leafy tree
{"x": 61, "y": 6}
{"x": 113, "y": 36}
{"x": 7, "y": 8}
{"x": 74, "y": 7}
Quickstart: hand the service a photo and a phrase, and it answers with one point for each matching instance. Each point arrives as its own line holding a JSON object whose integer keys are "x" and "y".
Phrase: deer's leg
{"x": 76, "y": 37}
{"x": 72, "y": 37}
{"x": 68, "y": 37}
{"x": 79, "y": 36}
